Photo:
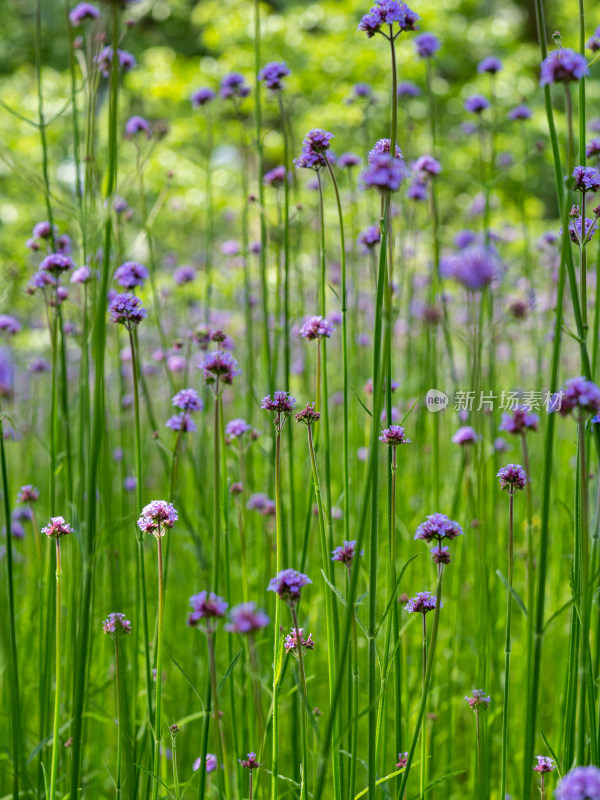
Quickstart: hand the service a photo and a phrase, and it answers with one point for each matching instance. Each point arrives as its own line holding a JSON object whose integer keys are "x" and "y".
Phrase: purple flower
{"x": 479, "y": 700}
{"x": 28, "y": 494}
{"x": 563, "y": 66}
{"x": 593, "y": 43}
{"x": 408, "y": 89}
{"x": 156, "y": 517}
{"x": 465, "y": 238}
{"x": 130, "y": 483}
{"x": 82, "y": 13}
{"x": 211, "y": 763}
{"x": 136, "y": 125}
{"x": 394, "y": 435}
{"x": 262, "y": 503}
{"x": 57, "y": 527}
{"x": 184, "y": 274}
{"x": 593, "y": 148}
{"x": 427, "y": 45}
{"x": 587, "y": 179}
{"x": 316, "y": 328}
{"x": 576, "y": 234}
{"x": 131, "y": 274}
{"x": 402, "y": 760}
{"x": 417, "y": 190}
{"x": 369, "y": 237}
{"x": 475, "y": 267}
{"x": 81, "y": 275}
{"x": 544, "y": 764}
{"x": 234, "y": 85}
{"x": 275, "y": 177}
{"x": 383, "y": 146}
{"x": 388, "y": 12}
{"x": 288, "y": 584}
{"x": 513, "y": 478}
{"x": 345, "y": 552}
{"x": 272, "y": 74}
{"x": 126, "y": 309}
{"x": 477, "y": 104}
{"x": 43, "y": 230}
{"x": 104, "y": 60}
{"x": 491, "y": 65}
{"x": 295, "y": 638}
{"x": 440, "y": 554}
{"x": 308, "y": 415}
{"x": 519, "y": 112}
{"x": 181, "y": 423}
{"x": 521, "y": 420}
{"x": 582, "y": 783}
{"x": 117, "y": 625}
{"x": 55, "y": 263}
{"x": 384, "y": 173}
{"x": 202, "y": 96}
{"x": 250, "y": 762}
{"x": 348, "y": 160}
{"x": 9, "y": 324}
{"x": 187, "y": 400}
{"x": 581, "y": 395}
{"x": 314, "y": 147}
{"x": 438, "y": 527}
{"x": 421, "y": 603}
{"x": 465, "y": 435}
{"x": 282, "y": 403}
{"x": 220, "y": 365}
{"x": 246, "y": 618}
{"x": 206, "y": 605}
{"x": 428, "y": 165}
{"x": 236, "y": 428}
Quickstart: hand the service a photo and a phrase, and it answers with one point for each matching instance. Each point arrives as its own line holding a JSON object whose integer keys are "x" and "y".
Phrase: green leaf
{"x": 511, "y": 589}
{"x": 336, "y": 592}
{"x": 229, "y": 670}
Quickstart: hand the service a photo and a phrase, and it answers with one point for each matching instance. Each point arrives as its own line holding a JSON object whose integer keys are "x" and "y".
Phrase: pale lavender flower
{"x": 519, "y": 421}
{"x": 236, "y": 428}
{"x": 582, "y": 783}
{"x": 581, "y": 395}
{"x": 295, "y": 639}
{"x": 156, "y": 517}
{"x": 383, "y": 147}
{"x": 81, "y": 275}
{"x": 345, "y": 552}
{"x": 56, "y": 263}
{"x": 384, "y": 173}
{"x": 126, "y": 309}
{"x": 428, "y": 165}
{"x": 82, "y": 13}
{"x": 187, "y": 400}
{"x": 587, "y": 179}
{"x": 181, "y": 423}
{"x": 28, "y": 494}
{"x": 104, "y": 60}
{"x": 394, "y": 435}
{"x": 465, "y": 435}
{"x": 220, "y": 365}
{"x": 475, "y": 267}
{"x": 211, "y": 763}
{"x": 408, "y": 89}
{"x": 136, "y": 125}
{"x": 390, "y": 13}
{"x": 369, "y": 237}
{"x": 282, "y": 403}
{"x": 427, "y": 45}
{"x": 184, "y": 274}
{"x": 275, "y": 177}
{"x": 348, "y": 160}
{"x": 544, "y": 764}
{"x": 9, "y": 324}
{"x": 316, "y": 328}
{"x": 262, "y": 503}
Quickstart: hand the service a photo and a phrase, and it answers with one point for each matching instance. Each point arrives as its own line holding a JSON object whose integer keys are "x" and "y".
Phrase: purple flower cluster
{"x": 465, "y": 435}
{"x": 116, "y": 625}
{"x": 314, "y": 148}
{"x": 421, "y": 603}
{"x": 83, "y": 12}
{"x": 137, "y": 125}
{"x": 275, "y": 177}
{"x": 246, "y": 618}
{"x": 544, "y": 764}
{"x": 262, "y": 503}
{"x": 388, "y": 12}
{"x": 578, "y": 234}
{"x": 104, "y": 60}
{"x": 369, "y": 237}
{"x": 234, "y": 85}
{"x": 126, "y": 309}
{"x": 520, "y": 112}
{"x": 202, "y": 96}
{"x": 383, "y": 147}
{"x": 581, "y": 395}
{"x": 288, "y": 584}
{"x": 408, "y": 89}
{"x": 427, "y": 165}
{"x": 587, "y": 179}
{"x": 316, "y": 328}
{"x": 474, "y": 267}
{"x": 438, "y": 527}
{"x": 427, "y": 45}
{"x": 348, "y": 160}
{"x": 477, "y": 104}
{"x": 384, "y": 173}
{"x": 582, "y": 783}
{"x": 188, "y": 400}
{"x": 273, "y": 74}
{"x": 281, "y": 403}
{"x": 308, "y": 415}
{"x": 345, "y": 552}
{"x": 9, "y": 324}
{"x": 563, "y": 66}
{"x": 131, "y": 274}
{"x": 236, "y": 428}
{"x": 394, "y": 435}
{"x": 513, "y": 478}
{"x": 28, "y": 494}
{"x": 56, "y": 263}
{"x": 519, "y": 421}
{"x": 490, "y": 65}
{"x": 156, "y": 517}
{"x": 479, "y": 700}
{"x": 593, "y": 43}
{"x": 57, "y": 527}
{"x": 206, "y": 605}
{"x": 219, "y": 366}
{"x": 250, "y": 762}
{"x": 295, "y": 638}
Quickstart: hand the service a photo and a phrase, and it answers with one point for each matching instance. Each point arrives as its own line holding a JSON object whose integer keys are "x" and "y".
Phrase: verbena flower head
{"x": 427, "y": 45}
{"x": 187, "y": 400}
{"x": 116, "y": 625}
{"x": 131, "y": 274}
{"x": 580, "y": 395}
{"x": 513, "y": 478}
{"x": 288, "y": 584}
{"x": 9, "y": 324}
{"x": 156, "y": 517}
{"x": 345, "y": 552}
{"x": 261, "y": 502}
{"x": 57, "y": 527}
{"x": 295, "y": 639}
{"x": 219, "y": 365}
{"x": 246, "y": 618}
{"x": 28, "y": 494}
{"x": 250, "y": 762}
{"x": 582, "y": 783}
{"x": 593, "y": 43}
{"x": 408, "y": 89}
{"x": 440, "y": 554}
{"x": 578, "y": 234}
{"x": 474, "y": 267}
{"x": 275, "y": 177}
{"x": 81, "y": 275}
{"x": 281, "y": 403}
{"x": 519, "y": 421}
{"x": 428, "y": 165}
{"x": 479, "y": 701}
{"x": 489, "y": 65}
{"x": 211, "y": 763}
{"x": 273, "y": 74}
{"x": 394, "y": 435}
{"x": 236, "y": 428}
{"x": 544, "y": 764}
{"x": 56, "y": 263}
{"x": 465, "y": 435}
{"x": 83, "y": 12}
{"x": 383, "y": 147}
{"x": 181, "y": 423}
{"x": 593, "y": 148}
{"x": 316, "y": 328}
{"x": 421, "y": 603}
{"x": 477, "y": 104}
{"x": 202, "y": 96}
{"x": 438, "y": 527}
{"x": 384, "y": 173}
{"x": 587, "y": 179}
{"x": 388, "y": 12}
{"x": 348, "y": 160}
{"x": 369, "y": 237}
{"x": 206, "y": 605}
{"x": 563, "y": 66}
{"x": 314, "y": 147}
{"x": 104, "y": 60}
{"x": 520, "y": 112}
{"x": 234, "y": 85}
{"x": 402, "y": 760}
{"x": 137, "y": 125}
{"x": 308, "y": 415}
{"x": 126, "y": 309}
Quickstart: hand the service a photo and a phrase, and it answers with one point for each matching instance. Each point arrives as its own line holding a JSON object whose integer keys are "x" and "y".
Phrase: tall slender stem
{"x": 159, "y": 659}
{"x": 304, "y": 701}
{"x": 57, "y": 684}
{"x": 276, "y": 653}
{"x": 119, "y": 678}
{"x": 507, "y": 647}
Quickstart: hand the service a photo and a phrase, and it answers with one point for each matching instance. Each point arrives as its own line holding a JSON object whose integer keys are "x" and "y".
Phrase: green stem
{"x": 57, "y": 686}
{"x": 159, "y": 659}
{"x": 507, "y": 647}
{"x": 119, "y": 720}
{"x": 279, "y": 567}
{"x": 304, "y": 701}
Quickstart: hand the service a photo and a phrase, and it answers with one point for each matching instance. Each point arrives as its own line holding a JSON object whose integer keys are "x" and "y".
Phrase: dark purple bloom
{"x": 246, "y": 618}
{"x": 131, "y": 274}
{"x": 136, "y": 125}
{"x": 438, "y": 527}
{"x": 275, "y": 177}
{"x": 519, "y": 112}
{"x": 563, "y": 66}
{"x": 465, "y": 435}
{"x": 383, "y": 146}
{"x": 394, "y": 435}
{"x": 308, "y": 415}
{"x": 234, "y": 85}
{"x": 348, "y": 160}
{"x": 388, "y": 12}
{"x": 282, "y": 403}
{"x": 519, "y": 421}
{"x": 593, "y": 43}
{"x": 56, "y": 263}
{"x": 427, "y": 45}
{"x": 579, "y": 394}
{"x": 57, "y": 527}
{"x": 370, "y": 237}
{"x": 295, "y": 638}
{"x": 156, "y": 517}
{"x": 593, "y": 148}
{"x": 587, "y": 179}
{"x": 345, "y": 552}
{"x": 250, "y": 762}
{"x": 479, "y": 700}
{"x": 582, "y": 783}
{"x": 188, "y": 400}
{"x": 202, "y": 96}
{"x": 220, "y": 365}
{"x": 82, "y": 13}
{"x": 117, "y": 625}
{"x": 513, "y": 478}
{"x": 9, "y": 324}
{"x": 316, "y": 328}
{"x": 408, "y": 89}
{"x": 440, "y": 554}
{"x": 477, "y": 104}
{"x": 491, "y": 65}
{"x": 272, "y": 74}
{"x": 104, "y": 60}
{"x": 384, "y": 173}
{"x": 126, "y": 309}
{"x": 421, "y": 603}
{"x": 206, "y": 605}
{"x": 544, "y": 764}
{"x": 288, "y": 584}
